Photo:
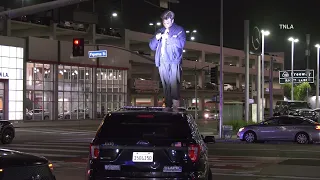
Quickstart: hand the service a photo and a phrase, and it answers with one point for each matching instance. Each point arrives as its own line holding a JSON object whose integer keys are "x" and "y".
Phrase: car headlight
{"x": 241, "y": 129}
{"x": 206, "y": 115}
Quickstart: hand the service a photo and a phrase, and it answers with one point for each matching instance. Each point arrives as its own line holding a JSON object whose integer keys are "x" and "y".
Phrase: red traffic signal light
{"x": 76, "y": 42}
{"x": 78, "y": 47}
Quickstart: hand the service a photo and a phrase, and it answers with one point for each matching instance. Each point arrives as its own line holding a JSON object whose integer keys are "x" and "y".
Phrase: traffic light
{"x": 214, "y": 75}
{"x": 78, "y": 47}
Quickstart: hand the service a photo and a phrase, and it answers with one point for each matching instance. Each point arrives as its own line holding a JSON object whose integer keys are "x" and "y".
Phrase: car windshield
{"x": 128, "y": 126}
{"x": 299, "y": 105}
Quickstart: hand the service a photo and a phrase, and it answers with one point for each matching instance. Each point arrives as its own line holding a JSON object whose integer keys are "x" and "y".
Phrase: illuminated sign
{"x": 4, "y": 75}
{"x": 299, "y": 76}
{"x": 97, "y": 54}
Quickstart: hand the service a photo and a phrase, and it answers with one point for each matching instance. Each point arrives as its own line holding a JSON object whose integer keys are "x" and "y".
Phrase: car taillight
{"x": 50, "y": 165}
{"x": 94, "y": 151}
{"x": 318, "y": 127}
{"x": 194, "y": 152}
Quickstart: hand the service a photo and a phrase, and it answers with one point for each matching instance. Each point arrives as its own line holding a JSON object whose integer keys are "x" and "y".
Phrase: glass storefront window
{"x": 39, "y": 94}
{"x": 75, "y": 92}
{"x": 111, "y": 89}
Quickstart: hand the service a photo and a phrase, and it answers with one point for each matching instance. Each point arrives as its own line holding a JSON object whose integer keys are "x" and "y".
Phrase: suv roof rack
{"x": 147, "y": 108}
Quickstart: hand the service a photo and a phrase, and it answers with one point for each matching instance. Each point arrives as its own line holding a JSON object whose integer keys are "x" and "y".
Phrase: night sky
{"x": 204, "y": 16}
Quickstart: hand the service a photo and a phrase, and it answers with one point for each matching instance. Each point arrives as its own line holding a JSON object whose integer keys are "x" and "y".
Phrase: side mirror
{"x": 209, "y": 139}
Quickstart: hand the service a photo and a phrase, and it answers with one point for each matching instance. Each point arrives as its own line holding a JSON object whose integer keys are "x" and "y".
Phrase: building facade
{"x": 56, "y": 85}
{"x": 48, "y": 84}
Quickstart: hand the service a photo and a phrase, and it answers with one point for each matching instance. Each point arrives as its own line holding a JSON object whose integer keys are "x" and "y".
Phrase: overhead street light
{"x": 317, "y": 87}
{"x": 114, "y": 14}
{"x": 264, "y": 33}
{"x": 194, "y": 31}
{"x": 293, "y": 40}
{"x": 155, "y": 25}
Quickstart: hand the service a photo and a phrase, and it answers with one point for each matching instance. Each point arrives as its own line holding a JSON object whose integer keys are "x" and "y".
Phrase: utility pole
{"x": 271, "y": 88}
{"x": 195, "y": 93}
{"x": 247, "y": 75}
{"x": 221, "y": 71}
{"x": 259, "y": 89}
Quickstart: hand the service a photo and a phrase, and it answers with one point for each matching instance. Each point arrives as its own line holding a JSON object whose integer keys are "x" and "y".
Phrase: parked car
{"x": 17, "y": 165}
{"x": 282, "y": 128}
{"x": 7, "y": 132}
{"x": 295, "y": 108}
{"x": 150, "y": 145}
{"x": 38, "y": 114}
{"x": 75, "y": 114}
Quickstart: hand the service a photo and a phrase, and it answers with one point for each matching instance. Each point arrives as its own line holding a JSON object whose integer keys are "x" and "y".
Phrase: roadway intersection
{"x": 68, "y": 149}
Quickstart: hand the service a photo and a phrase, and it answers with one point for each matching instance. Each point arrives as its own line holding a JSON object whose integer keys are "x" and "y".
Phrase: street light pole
{"x": 195, "y": 93}
{"x": 292, "y": 56}
{"x": 317, "y": 86}
{"x": 221, "y": 71}
{"x": 264, "y": 33}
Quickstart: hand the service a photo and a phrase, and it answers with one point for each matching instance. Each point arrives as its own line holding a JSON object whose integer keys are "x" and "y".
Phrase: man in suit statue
{"x": 168, "y": 43}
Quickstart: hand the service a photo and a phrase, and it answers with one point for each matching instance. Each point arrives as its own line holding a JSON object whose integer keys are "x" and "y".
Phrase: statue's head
{"x": 167, "y": 19}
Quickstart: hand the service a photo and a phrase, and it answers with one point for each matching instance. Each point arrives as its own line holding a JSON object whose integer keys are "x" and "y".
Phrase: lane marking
{"x": 47, "y": 145}
{"x": 291, "y": 150}
{"x": 49, "y": 150}
{"x": 264, "y": 176}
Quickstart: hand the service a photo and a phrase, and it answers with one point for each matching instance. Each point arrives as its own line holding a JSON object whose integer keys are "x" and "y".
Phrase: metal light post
{"x": 196, "y": 90}
{"x": 264, "y": 33}
{"x": 292, "y": 55}
{"x": 221, "y": 72}
{"x": 317, "y": 87}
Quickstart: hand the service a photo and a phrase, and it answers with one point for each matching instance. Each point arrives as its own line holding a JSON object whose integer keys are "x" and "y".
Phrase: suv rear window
{"x": 133, "y": 127}
{"x": 299, "y": 105}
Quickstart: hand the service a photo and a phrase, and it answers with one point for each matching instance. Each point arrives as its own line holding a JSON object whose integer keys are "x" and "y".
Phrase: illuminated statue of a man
{"x": 168, "y": 43}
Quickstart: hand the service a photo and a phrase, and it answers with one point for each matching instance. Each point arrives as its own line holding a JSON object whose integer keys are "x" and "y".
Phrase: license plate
{"x": 142, "y": 156}
{"x": 112, "y": 167}
{"x": 172, "y": 169}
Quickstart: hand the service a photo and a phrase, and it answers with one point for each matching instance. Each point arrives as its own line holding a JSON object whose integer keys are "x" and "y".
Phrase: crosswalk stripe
{"x": 48, "y": 145}
{"x": 57, "y": 144}
{"x": 53, "y": 131}
{"x": 49, "y": 150}
{"x": 47, "y": 155}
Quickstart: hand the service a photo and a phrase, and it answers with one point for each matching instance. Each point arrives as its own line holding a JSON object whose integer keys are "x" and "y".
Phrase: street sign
{"x": 97, "y": 54}
{"x": 299, "y": 76}
{"x": 255, "y": 38}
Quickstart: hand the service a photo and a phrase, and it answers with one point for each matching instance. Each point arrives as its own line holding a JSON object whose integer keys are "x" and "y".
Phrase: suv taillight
{"x": 194, "y": 152}
{"x": 94, "y": 151}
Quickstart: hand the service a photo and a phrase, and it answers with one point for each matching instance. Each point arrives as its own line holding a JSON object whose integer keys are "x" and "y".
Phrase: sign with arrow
{"x": 98, "y": 54}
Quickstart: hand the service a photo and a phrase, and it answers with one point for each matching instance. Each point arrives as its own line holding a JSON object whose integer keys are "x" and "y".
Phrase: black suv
{"x": 148, "y": 145}
{"x": 295, "y": 108}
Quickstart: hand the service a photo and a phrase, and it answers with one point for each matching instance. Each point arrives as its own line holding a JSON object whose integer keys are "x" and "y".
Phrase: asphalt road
{"x": 68, "y": 150}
